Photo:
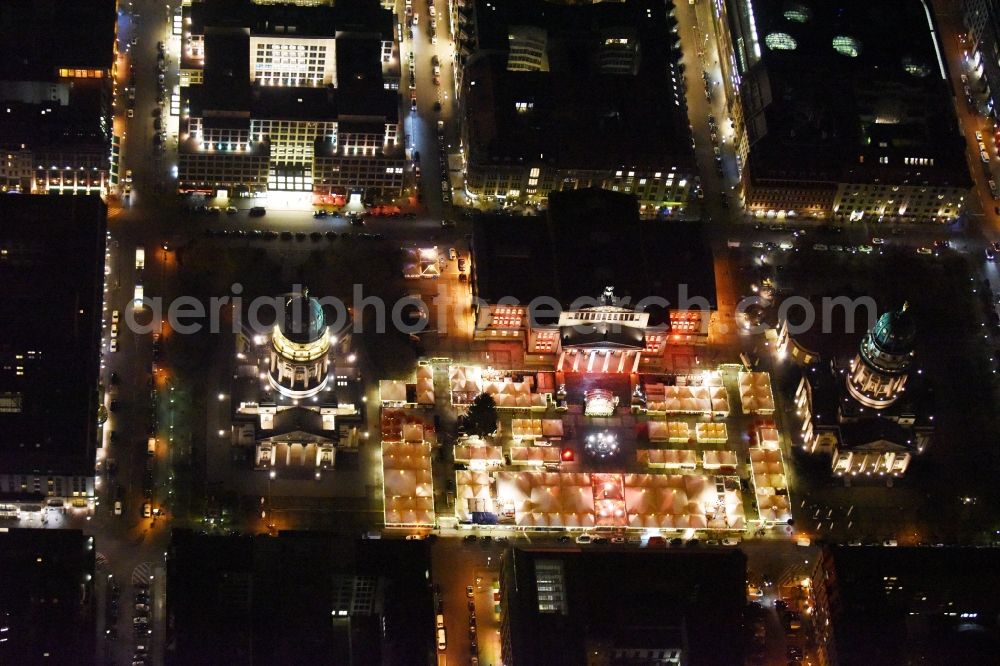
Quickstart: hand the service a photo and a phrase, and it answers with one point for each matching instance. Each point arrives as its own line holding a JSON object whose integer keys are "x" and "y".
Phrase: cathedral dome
{"x": 302, "y": 320}
{"x": 895, "y": 331}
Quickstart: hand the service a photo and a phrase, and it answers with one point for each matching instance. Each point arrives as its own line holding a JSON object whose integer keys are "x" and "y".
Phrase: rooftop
{"x": 46, "y": 604}
{"x": 356, "y": 17}
{"x": 691, "y": 600}
{"x": 914, "y": 605}
{"x": 51, "y": 266}
{"x": 540, "y": 116}
{"x": 298, "y": 598}
{"x": 229, "y": 96}
{"x": 83, "y": 30}
{"x": 588, "y": 240}
{"x": 875, "y": 105}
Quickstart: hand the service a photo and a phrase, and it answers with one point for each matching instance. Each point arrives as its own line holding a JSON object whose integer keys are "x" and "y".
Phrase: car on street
{"x": 584, "y": 539}
{"x": 147, "y": 510}
{"x": 990, "y": 254}
{"x": 820, "y": 247}
{"x": 469, "y": 592}
{"x": 118, "y": 507}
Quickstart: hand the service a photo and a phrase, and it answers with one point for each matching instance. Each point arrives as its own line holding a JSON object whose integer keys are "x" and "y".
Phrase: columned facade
{"x": 300, "y": 349}
{"x": 878, "y": 372}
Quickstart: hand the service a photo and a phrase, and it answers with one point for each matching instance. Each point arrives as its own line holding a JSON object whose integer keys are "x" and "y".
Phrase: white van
{"x": 442, "y": 639}
{"x": 140, "y": 257}
{"x": 440, "y": 621}
{"x": 151, "y": 446}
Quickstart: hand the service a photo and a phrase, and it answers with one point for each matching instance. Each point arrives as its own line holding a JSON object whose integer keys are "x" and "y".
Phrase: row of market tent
{"x": 577, "y": 499}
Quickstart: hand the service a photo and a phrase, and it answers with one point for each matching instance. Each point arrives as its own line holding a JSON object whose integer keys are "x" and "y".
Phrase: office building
{"x": 559, "y": 97}
{"x": 48, "y": 608}
{"x": 57, "y": 63}
{"x": 870, "y": 135}
{"x": 52, "y": 268}
{"x": 297, "y": 598}
{"x": 301, "y": 100}
{"x": 669, "y": 608}
{"x": 982, "y": 19}
{"x": 895, "y": 606}
{"x": 648, "y": 286}
{"x": 865, "y": 404}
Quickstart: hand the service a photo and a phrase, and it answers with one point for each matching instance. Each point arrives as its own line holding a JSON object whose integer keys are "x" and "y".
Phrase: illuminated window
{"x": 780, "y": 41}
{"x": 550, "y": 586}
{"x": 10, "y": 403}
{"x": 914, "y": 68}
{"x": 847, "y": 46}
{"x": 798, "y": 14}
{"x": 523, "y": 107}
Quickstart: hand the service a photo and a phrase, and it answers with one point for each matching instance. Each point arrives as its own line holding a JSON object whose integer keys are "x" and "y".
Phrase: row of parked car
{"x": 286, "y": 235}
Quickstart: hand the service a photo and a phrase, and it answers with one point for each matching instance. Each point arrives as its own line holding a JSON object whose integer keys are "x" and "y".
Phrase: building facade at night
{"x": 48, "y": 602}
{"x": 862, "y": 408}
{"x": 52, "y": 253}
{"x": 295, "y": 99}
{"x": 56, "y": 103}
{"x": 543, "y": 103}
{"x": 647, "y": 288}
{"x": 982, "y": 18}
{"x": 870, "y": 136}
{"x": 294, "y": 387}
{"x": 668, "y": 608}
{"x": 907, "y": 605}
{"x": 298, "y": 597}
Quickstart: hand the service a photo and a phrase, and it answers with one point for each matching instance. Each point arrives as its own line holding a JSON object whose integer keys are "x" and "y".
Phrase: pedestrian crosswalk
{"x": 101, "y": 560}
{"x": 142, "y": 573}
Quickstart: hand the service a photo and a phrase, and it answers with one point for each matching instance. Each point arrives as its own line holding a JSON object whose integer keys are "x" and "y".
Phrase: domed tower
{"x": 879, "y": 371}
{"x": 300, "y": 348}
